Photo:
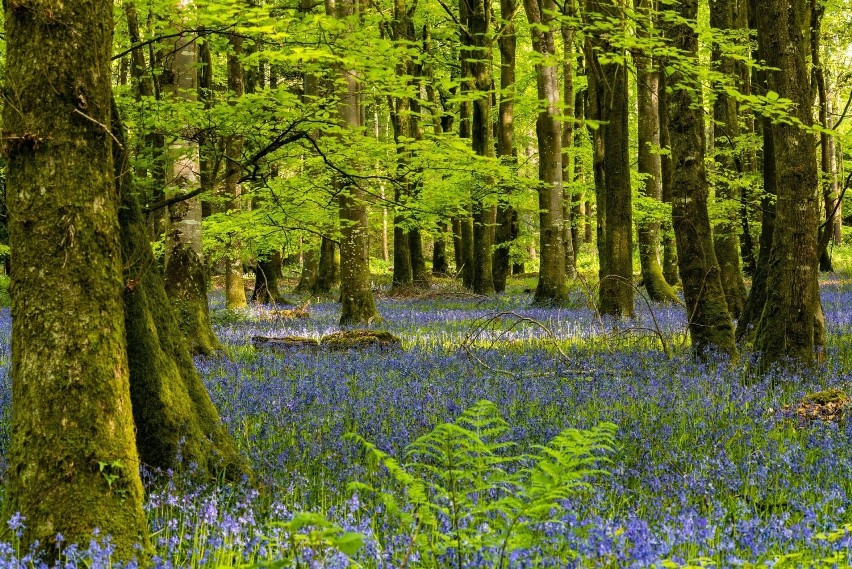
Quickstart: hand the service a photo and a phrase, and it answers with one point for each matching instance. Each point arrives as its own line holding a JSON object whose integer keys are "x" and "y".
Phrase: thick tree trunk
{"x": 72, "y": 459}
{"x": 419, "y": 274}
{"x": 186, "y": 276}
{"x": 710, "y": 325}
{"x": 792, "y": 311}
{"x": 552, "y": 288}
{"x": 648, "y": 90}
{"x": 608, "y": 81}
{"x": 725, "y": 233}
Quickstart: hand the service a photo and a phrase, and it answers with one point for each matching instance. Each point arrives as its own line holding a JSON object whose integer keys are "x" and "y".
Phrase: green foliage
{"x": 460, "y": 490}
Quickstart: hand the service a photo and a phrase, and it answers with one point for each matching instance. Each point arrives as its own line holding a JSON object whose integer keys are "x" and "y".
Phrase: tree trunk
{"x": 650, "y": 166}
{"x": 710, "y": 325}
{"x": 327, "y": 270}
{"x": 235, "y": 291}
{"x": 477, "y": 56}
{"x": 552, "y": 288}
{"x": 792, "y": 311}
{"x": 358, "y": 305}
{"x": 419, "y": 274}
{"x": 725, "y": 233}
{"x": 186, "y": 276}
{"x": 670, "y": 271}
{"x": 439, "y": 253}
{"x": 310, "y": 269}
{"x": 507, "y": 42}
{"x": 608, "y": 81}
{"x": 72, "y": 459}
{"x": 266, "y": 275}
{"x": 568, "y": 194}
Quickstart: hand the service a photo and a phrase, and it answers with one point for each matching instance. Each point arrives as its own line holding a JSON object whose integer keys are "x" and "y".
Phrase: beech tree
{"x": 73, "y": 462}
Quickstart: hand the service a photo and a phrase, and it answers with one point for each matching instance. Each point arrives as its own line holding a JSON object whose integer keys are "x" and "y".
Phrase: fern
{"x": 462, "y": 491}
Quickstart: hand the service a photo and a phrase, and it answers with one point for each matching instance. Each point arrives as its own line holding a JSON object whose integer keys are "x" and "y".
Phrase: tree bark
{"x": 569, "y": 241}
{"x": 650, "y": 165}
{"x": 235, "y": 291}
{"x": 726, "y": 240}
{"x": 710, "y": 325}
{"x": 503, "y": 234}
{"x": 608, "y": 81}
{"x": 266, "y": 272}
{"x": 670, "y": 271}
{"x": 327, "y": 270}
{"x": 552, "y": 288}
{"x": 73, "y": 464}
{"x": 310, "y": 269}
{"x": 186, "y": 276}
{"x": 358, "y": 305}
{"x": 792, "y": 311}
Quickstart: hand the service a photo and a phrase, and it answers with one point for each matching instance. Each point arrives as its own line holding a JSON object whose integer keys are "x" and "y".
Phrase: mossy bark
{"x": 569, "y": 195}
{"x": 650, "y": 165}
{"x": 73, "y": 465}
{"x": 356, "y": 296}
{"x": 185, "y": 274}
{"x": 440, "y": 266}
{"x": 789, "y": 320}
{"x": 177, "y": 424}
{"x": 710, "y": 324}
{"x": 418, "y": 260}
{"x": 727, "y": 130}
{"x": 669, "y": 260}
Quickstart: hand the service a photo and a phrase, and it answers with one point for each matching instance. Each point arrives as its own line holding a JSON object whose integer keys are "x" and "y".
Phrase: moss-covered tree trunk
{"x": 72, "y": 424}
{"x": 608, "y": 78}
{"x": 710, "y": 324}
{"x": 235, "y": 291}
{"x": 186, "y": 276}
{"x": 356, "y": 295}
{"x": 789, "y": 318}
{"x": 669, "y": 260}
{"x": 440, "y": 267}
{"x": 177, "y": 424}
{"x": 552, "y": 288}
{"x": 727, "y": 130}
{"x": 650, "y": 165}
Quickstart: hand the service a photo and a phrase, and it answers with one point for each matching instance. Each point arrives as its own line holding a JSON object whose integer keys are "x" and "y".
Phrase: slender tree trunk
{"x": 729, "y": 162}
{"x": 358, "y": 305}
{"x": 477, "y": 54}
{"x": 608, "y": 80}
{"x": 186, "y": 276}
{"x": 568, "y": 194}
{"x": 439, "y": 253}
{"x": 792, "y": 311}
{"x": 648, "y": 90}
{"x": 71, "y": 408}
{"x": 670, "y": 270}
{"x": 266, "y": 273}
{"x": 235, "y": 291}
{"x": 710, "y": 324}
{"x": 552, "y": 288}
{"x": 507, "y": 42}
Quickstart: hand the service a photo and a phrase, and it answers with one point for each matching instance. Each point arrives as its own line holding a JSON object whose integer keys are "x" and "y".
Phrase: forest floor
{"x": 711, "y": 465}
